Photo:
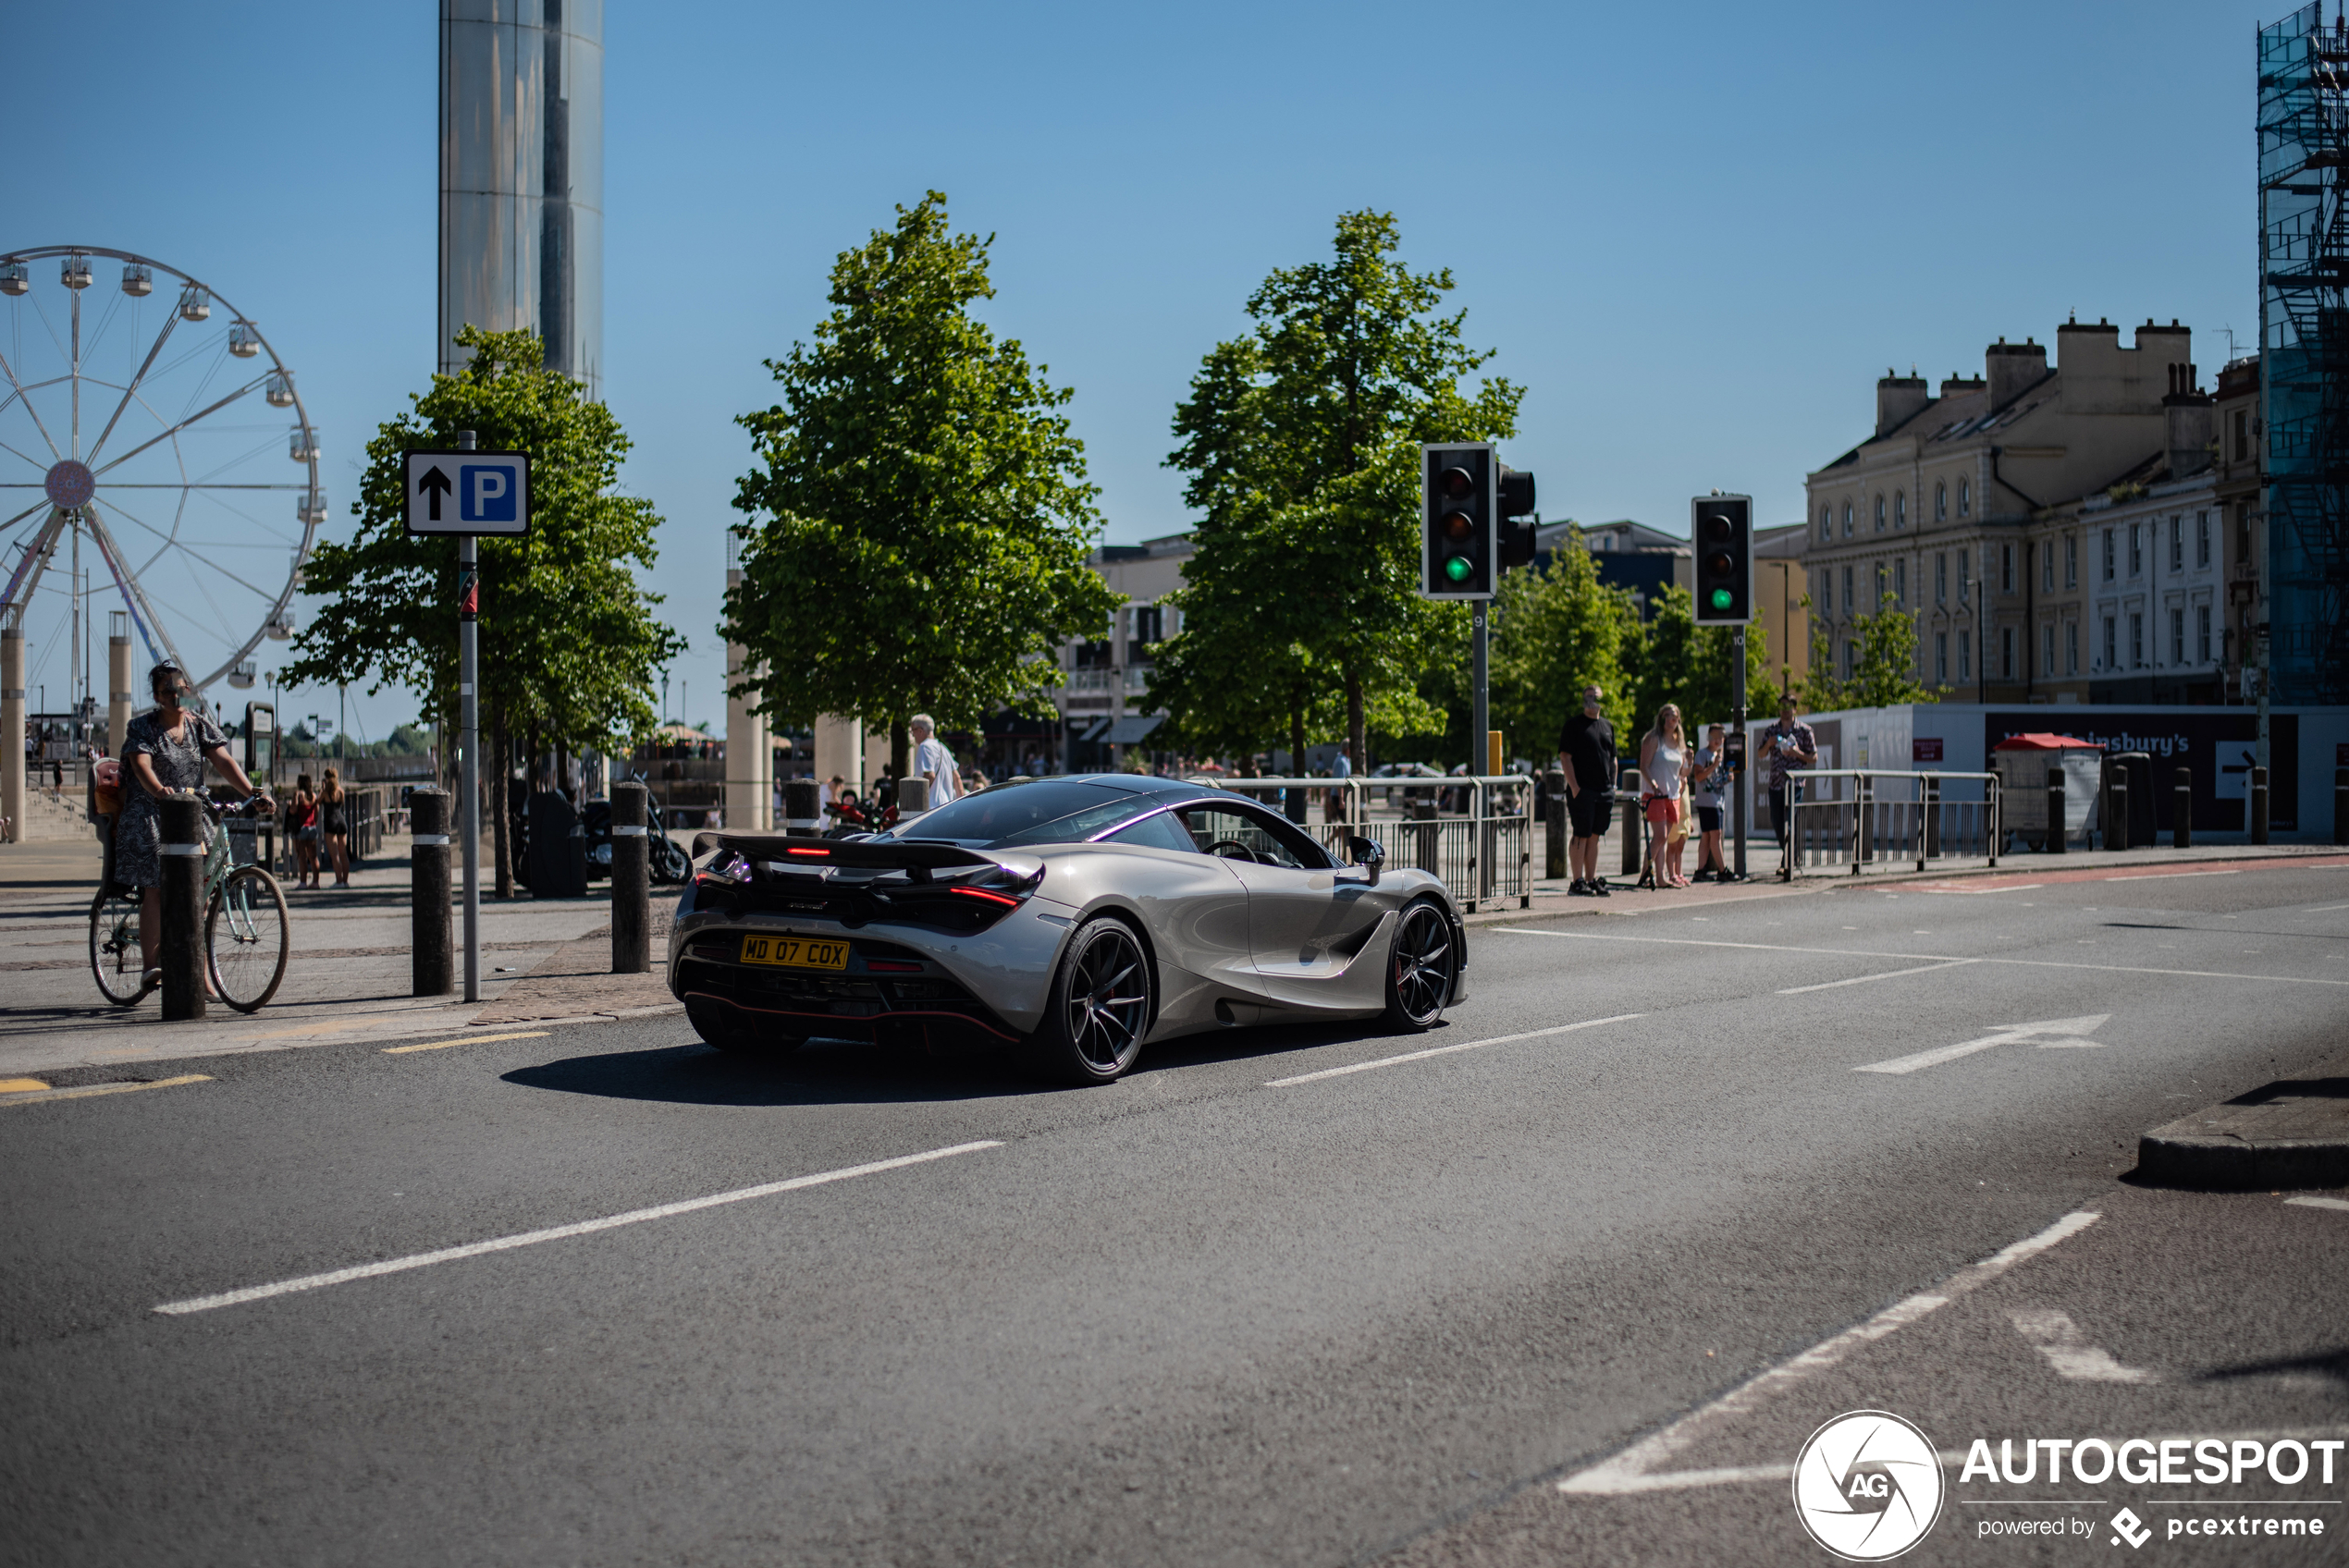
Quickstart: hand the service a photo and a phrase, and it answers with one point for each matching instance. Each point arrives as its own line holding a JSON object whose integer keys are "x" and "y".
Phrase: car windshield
{"x": 1043, "y": 810}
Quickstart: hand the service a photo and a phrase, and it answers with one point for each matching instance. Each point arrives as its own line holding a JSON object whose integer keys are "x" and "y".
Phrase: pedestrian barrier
{"x": 1854, "y": 821}
{"x": 1473, "y": 833}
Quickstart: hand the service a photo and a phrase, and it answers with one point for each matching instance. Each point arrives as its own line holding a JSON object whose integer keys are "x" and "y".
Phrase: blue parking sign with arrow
{"x": 469, "y": 493}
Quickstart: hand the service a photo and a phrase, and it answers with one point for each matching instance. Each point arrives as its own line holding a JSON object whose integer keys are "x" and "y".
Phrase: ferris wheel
{"x": 154, "y": 455}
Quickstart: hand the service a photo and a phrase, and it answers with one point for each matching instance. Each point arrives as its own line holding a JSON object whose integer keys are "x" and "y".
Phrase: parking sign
{"x": 469, "y": 493}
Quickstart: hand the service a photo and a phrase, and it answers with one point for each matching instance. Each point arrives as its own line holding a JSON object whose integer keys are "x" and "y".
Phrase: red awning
{"x": 2041, "y": 741}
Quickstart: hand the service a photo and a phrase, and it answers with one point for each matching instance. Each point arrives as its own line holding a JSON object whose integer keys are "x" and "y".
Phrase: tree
{"x": 920, "y": 517}
{"x": 1693, "y": 665}
{"x": 1301, "y": 441}
{"x": 569, "y": 642}
{"x": 1555, "y": 630}
{"x": 1883, "y": 666}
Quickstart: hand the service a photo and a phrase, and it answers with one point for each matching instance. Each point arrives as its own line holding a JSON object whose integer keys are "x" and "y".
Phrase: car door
{"x": 1306, "y": 922}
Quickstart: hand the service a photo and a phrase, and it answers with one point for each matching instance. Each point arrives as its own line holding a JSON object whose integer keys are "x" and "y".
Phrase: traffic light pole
{"x": 1481, "y": 724}
{"x": 1737, "y": 714}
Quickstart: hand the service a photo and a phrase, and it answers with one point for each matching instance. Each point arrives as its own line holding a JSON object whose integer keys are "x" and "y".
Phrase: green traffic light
{"x": 1457, "y": 568}
{"x": 1721, "y": 598}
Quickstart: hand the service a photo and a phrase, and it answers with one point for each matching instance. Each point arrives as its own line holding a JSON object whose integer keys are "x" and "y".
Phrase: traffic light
{"x": 1460, "y": 555}
{"x": 1722, "y": 529}
{"x": 1517, "y": 524}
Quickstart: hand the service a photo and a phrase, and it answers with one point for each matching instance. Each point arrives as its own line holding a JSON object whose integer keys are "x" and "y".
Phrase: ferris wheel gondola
{"x": 147, "y": 440}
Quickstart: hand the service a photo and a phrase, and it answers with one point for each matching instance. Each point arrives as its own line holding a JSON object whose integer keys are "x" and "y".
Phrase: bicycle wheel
{"x": 246, "y": 937}
{"x": 116, "y": 957}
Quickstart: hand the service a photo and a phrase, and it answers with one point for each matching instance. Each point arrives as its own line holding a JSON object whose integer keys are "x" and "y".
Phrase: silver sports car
{"x": 1074, "y": 918}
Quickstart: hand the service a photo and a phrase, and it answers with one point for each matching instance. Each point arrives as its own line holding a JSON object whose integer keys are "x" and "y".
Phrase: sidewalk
{"x": 348, "y": 977}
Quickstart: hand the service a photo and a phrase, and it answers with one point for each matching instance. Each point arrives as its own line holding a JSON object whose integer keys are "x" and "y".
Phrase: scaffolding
{"x": 2304, "y": 360}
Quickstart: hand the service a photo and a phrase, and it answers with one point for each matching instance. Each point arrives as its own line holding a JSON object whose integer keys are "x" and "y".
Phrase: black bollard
{"x": 1554, "y": 827}
{"x": 2258, "y": 805}
{"x": 632, "y": 883}
{"x": 2056, "y": 834}
{"x": 2340, "y": 805}
{"x": 801, "y": 812}
{"x": 185, "y": 833}
{"x": 1635, "y": 823}
{"x": 432, "y": 950}
{"x": 2116, "y": 815}
{"x": 2182, "y": 811}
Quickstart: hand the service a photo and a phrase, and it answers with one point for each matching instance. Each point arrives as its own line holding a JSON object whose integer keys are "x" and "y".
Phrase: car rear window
{"x": 1044, "y": 811}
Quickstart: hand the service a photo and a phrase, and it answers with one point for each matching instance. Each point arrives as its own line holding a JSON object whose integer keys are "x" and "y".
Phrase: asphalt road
{"x": 1204, "y": 1316}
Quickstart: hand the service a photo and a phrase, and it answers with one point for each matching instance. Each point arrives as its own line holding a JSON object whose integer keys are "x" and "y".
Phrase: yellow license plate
{"x": 795, "y": 952}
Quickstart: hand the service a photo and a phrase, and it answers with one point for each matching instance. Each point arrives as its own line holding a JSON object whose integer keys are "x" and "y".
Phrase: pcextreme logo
{"x": 1867, "y": 1486}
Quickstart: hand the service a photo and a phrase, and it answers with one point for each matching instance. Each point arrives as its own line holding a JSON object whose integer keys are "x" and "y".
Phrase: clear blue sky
{"x": 1696, "y": 234}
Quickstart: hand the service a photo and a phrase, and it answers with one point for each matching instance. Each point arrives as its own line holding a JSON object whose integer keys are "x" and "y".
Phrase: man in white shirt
{"x": 933, "y": 764}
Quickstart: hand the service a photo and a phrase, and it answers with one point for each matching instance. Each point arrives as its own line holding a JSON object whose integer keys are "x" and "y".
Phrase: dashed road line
{"x": 1888, "y": 975}
{"x": 2321, "y": 1203}
{"x": 1447, "y": 1050}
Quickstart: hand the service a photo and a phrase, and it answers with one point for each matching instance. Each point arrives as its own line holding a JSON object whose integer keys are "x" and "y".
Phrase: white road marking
{"x": 557, "y": 1233}
{"x": 2321, "y": 1203}
{"x": 2324, "y": 908}
{"x": 1888, "y": 975}
{"x": 2052, "y": 1334}
{"x": 1633, "y": 1470}
{"x": 2169, "y": 875}
{"x": 1945, "y": 957}
{"x": 1447, "y": 1050}
{"x": 2053, "y": 1032}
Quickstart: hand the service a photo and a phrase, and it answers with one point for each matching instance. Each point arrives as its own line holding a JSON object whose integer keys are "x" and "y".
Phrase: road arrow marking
{"x": 2067, "y": 1350}
{"x": 2050, "y": 1032}
{"x": 433, "y": 485}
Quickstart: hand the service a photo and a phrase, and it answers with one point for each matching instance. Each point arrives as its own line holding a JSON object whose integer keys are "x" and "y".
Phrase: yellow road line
{"x": 22, "y": 1085}
{"x": 468, "y": 1040}
{"x": 103, "y": 1089}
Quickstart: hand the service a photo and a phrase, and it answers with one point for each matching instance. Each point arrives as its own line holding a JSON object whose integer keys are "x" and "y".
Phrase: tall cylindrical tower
{"x": 521, "y": 176}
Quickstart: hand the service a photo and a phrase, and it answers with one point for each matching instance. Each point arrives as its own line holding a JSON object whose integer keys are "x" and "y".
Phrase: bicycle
{"x": 246, "y": 934}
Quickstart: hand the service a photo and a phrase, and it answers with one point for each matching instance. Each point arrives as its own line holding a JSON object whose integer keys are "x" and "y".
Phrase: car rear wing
{"x": 800, "y": 852}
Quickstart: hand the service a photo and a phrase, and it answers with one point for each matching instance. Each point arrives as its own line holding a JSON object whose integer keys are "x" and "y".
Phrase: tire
{"x": 722, "y": 1028}
{"x": 1099, "y": 1007}
{"x": 246, "y": 938}
{"x": 1422, "y": 964}
{"x": 117, "y": 959}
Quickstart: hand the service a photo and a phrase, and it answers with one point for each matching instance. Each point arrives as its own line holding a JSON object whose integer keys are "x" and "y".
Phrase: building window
{"x": 2006, "y": 653}
{"x": 2108, "y": 555}
{"x": 2202, "y": 633}
{"x": 1966, "y": 577}
{"x": 2243, "y": 433}
{"x": 1827, "y": 524}
{"x": 2047, "y": 570}
{"x": 2046, "y": 648}
{"x": 1883, "y": 586}
{"x": 2243, "y": 533}
{"x": 2178, "y": 635}
{"x": 2071, "y": 560}
{"x": 1941, "y": 578}
{"x": 1847, "y": 520}
{"x": 2178, "y": 544}
{"x": 1965, "y": 655}
{"x": 1940, "y": 501}
{"x": 1849, "y": 662}
{"x": 1899, "y": 509}
{"x": 1879, "y": 514}
{"x": 1940, "y": 658}
{"x": 2136, "y": 640}
{"x": 1847, "y": 590}
{"x": 2006, "y": 568}
{"x": 2136, "y": 549}
{"x": 1965, "y": 498}
{"x": 2071, "y": 647}
{"x": 2202, "y": 539}
{"x": 1900, "y": 581}
{"x": 2111, "y": 644}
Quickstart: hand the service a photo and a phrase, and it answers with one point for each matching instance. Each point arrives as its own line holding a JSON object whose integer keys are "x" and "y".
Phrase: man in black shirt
{"x": 1586, "y": 753}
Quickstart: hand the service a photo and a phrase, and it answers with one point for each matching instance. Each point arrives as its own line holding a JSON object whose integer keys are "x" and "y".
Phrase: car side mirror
{"x": 1368, "y": 853}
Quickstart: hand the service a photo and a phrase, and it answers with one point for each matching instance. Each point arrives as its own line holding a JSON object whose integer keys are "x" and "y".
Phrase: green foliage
{"x": 1695, "y": 666}
{"x": 569, "y": 642}
{"x": 1555, "y": 630}
{"x": 1885, "y": 671}
{"x": 1301, "y": 444}
{"x": 920, "y": 517}
{"x": 1822, "y": 690}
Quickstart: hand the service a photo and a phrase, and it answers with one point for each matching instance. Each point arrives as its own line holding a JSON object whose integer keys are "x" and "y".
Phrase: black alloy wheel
{"x": 1420, "y": 965}
{"x": 1099, "y": 1007}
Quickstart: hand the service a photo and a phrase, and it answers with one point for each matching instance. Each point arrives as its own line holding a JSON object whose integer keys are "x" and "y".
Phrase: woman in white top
{"x": 1663, "y": 765}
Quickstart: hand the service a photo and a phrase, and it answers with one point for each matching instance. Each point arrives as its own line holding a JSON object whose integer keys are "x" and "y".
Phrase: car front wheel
{"x": 1099, "y": 1007}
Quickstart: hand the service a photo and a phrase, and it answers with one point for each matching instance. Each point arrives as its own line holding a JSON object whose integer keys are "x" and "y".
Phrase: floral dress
{"x": 138, "y": 835}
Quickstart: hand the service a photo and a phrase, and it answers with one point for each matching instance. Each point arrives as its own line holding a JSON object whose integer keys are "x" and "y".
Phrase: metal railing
{"x": 1481, "y": 853}
{"x": 1855, "y": 819}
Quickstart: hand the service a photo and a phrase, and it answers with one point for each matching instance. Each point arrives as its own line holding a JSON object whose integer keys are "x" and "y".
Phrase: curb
{"x": 2290, "y": 1133}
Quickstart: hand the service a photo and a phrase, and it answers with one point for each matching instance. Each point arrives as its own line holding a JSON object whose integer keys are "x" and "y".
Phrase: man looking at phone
{"x": 1786, "y": 746}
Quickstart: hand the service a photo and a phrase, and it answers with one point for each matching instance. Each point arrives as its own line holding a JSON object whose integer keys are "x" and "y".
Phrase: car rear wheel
{"x": 1099, "y": 1007}
{"x": 1421, "y": 966}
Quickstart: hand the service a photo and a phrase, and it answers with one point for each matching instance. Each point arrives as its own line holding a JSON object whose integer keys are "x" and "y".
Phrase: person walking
{"x": 165, "y": 749}
{"x": 933, "y": 764}
{"x": 1710, "y": 782}
{"x": 1787, "y": 746}
{"x": 1664, "y": 761}
{"x": 334, "y": 822}
{"x": 301, "y": 820}
{"x": 1586, "y": 756}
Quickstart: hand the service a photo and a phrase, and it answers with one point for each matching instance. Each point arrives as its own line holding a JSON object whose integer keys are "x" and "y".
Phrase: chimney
{"x": 2191, "y": 415}
{"x": 1898, "y": 398}
{"x": 2014, "y": 367}
{"x": 1956, "y": 385}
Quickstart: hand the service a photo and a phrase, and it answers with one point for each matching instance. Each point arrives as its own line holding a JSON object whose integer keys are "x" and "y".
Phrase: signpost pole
{"x": 469, "y": 742}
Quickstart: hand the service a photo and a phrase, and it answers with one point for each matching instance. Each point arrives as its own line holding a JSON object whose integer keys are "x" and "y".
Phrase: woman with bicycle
{"x": 165, "y": 749}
